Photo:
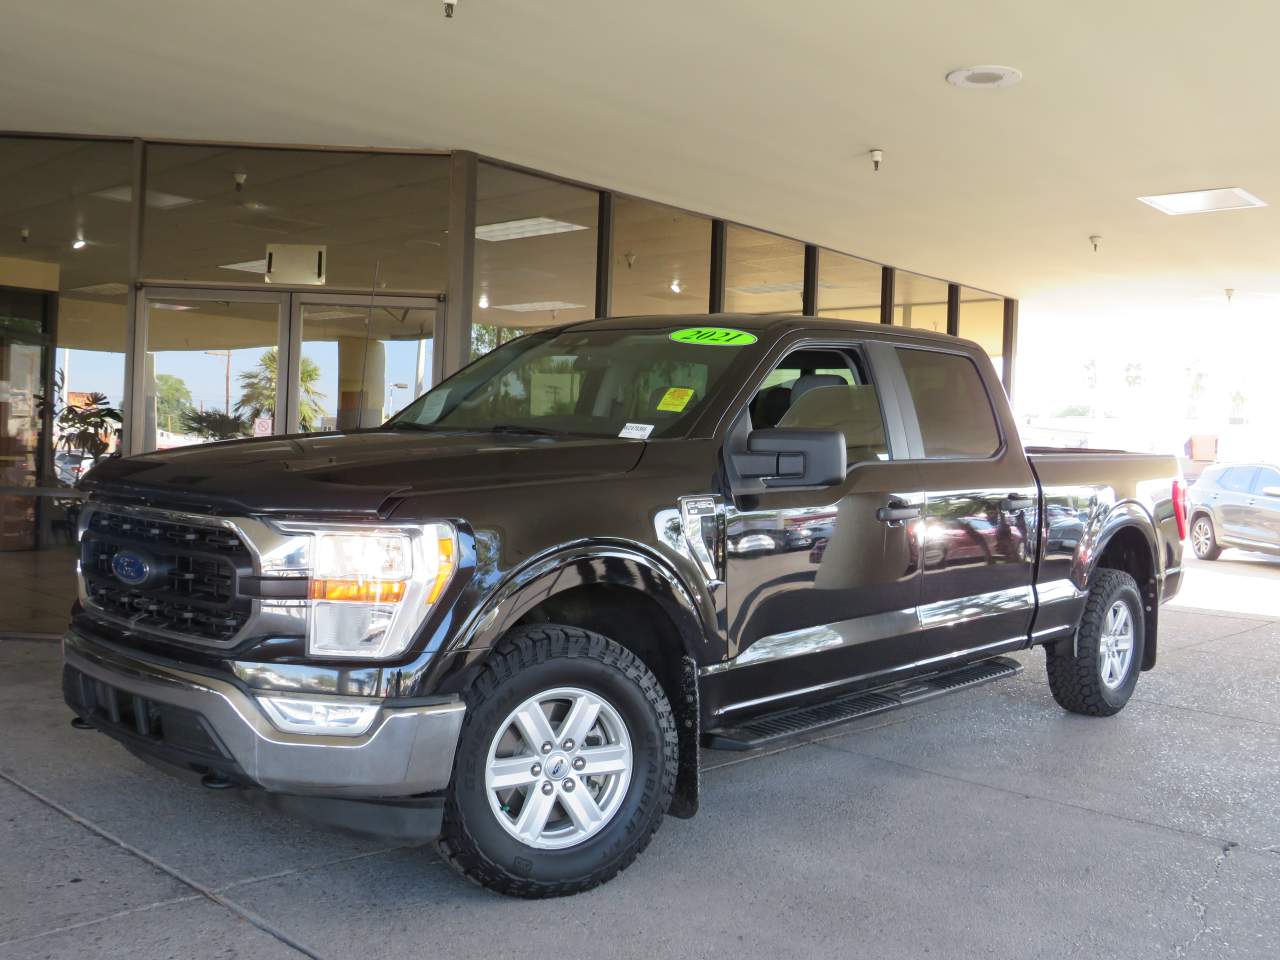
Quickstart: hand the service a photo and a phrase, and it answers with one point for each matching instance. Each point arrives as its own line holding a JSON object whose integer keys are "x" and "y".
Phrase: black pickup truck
{"x": 530, "y": 599}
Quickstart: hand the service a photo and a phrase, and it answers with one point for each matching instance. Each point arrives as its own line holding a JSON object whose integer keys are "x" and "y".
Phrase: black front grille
{"x": 192, "y": 589}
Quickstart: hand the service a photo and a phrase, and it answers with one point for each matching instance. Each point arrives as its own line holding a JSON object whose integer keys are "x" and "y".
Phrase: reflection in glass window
{"x": 951, "y": 405}
{"x": 764, "y": 273}
{"x": 848, "y": 288}
{"x": 661, "y": 259}
{"x": 211, "y": 371}
{"x": 63, "y": 290}
{"x": 535, "y": 252}
{"x": 920, "y": 302}
{"x": 212, "y": 211}
{"x": 982, "y": 319}
{"x": 360, "y": 365}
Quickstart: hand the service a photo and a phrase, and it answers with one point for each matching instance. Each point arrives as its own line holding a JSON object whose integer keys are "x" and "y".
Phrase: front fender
{"x": 620, "y": 564}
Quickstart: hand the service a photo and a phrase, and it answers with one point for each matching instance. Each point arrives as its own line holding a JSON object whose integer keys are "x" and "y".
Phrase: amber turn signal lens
{"x": 358, "y": 591}
{"x": 444, "y": 570}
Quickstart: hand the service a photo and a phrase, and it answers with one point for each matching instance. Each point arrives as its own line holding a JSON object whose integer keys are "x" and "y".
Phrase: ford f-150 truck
{"x": 531, "y": 598}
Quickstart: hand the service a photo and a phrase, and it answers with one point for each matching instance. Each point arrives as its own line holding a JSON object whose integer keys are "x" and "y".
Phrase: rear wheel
{"x": 565, "y": 765}
{"x": 1097, "y": 677}
{"x": 1203, "y": 540}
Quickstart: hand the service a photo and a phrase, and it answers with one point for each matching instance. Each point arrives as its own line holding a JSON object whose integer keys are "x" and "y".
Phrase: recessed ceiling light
{"x": 483, "y": 302}
{"x": 675, "y": 286}
{"x": 784, "y": 286}
{"x": 171, "y": 306}
{"x": 79, "y": 242}
{"x": 539, "y": 306}
{"x": 246, "y": 266}
{"x": 155, "y": 198}
{"x": 988, "y": 75}
{"x": 529, "y": 227}
{"x": 1203, "y": 201}
{"x": 102, "y": 290}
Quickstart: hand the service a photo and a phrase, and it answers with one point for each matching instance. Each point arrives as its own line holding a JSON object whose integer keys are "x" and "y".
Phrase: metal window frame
{"x": 719, "y": 265}
{"x": 888, "y": 285}
{"x": 604, "y": 254}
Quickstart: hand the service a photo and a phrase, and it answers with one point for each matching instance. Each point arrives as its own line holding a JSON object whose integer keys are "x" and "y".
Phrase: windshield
{"x": 600, "y": 383}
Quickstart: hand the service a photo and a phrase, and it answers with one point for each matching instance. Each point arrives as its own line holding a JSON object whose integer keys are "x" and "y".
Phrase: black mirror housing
{"x": 792, "y": 457}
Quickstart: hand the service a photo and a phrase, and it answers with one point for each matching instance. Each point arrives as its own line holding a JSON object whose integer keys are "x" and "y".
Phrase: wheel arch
{"x": 1128, "y": 543}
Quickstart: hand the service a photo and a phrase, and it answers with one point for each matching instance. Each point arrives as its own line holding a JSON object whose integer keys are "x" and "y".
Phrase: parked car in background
{"x": 1235, "y": 505}
{"x": 72, "y": 465}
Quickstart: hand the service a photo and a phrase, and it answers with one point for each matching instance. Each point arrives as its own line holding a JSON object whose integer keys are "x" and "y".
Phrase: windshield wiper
{"x": 520, "y": 429}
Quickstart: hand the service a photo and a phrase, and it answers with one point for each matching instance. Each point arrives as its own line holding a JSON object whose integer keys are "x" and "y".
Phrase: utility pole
{"x": 226, "y": 355}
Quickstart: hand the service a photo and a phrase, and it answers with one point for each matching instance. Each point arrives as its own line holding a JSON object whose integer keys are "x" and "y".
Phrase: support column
{"x": 452, "y": 348}
{"x": 888, "y": 278}
{"x": 953, "y": 309}
{"x": 604, "y": 255}
{"x": 809, "y": 299}
{"x": 719, "y": 240}
{"x": 1009, "y": 347}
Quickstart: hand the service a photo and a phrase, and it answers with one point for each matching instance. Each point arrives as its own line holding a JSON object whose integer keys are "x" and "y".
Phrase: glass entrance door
{"x": 359, "y": 360}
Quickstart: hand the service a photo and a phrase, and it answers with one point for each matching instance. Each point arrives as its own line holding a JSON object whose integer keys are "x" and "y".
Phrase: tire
{"x": 1092, "y": 682}
{"x": 1204, "y": 541}
{"x": 556, "y": 670}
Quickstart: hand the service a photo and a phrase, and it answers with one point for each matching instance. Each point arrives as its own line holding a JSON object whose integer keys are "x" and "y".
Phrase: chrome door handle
{"x": 897, "y": 514}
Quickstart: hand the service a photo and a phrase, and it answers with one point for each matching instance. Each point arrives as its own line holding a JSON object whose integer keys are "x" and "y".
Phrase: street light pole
{"x": 226, "y": 355}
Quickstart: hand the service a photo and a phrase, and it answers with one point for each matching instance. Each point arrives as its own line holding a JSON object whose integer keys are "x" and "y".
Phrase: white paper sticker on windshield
{"x": 636, "y": 431}
{"x": 432, "y": 406}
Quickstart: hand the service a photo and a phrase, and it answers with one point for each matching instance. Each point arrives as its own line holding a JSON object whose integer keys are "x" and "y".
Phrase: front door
{"x": 1233, "y": 502}
{"x": 978, "y": 541}
{"x": 823, "y": 584}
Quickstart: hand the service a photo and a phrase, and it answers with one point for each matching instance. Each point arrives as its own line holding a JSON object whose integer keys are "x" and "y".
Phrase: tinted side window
{"x": 952, "y": 406}
{"x": 1237, "y": 479}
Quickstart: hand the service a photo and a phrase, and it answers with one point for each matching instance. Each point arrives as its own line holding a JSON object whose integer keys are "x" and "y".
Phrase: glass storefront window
{"x": 535, "y": 253}
{"x": 848, "y": 288}
{"x": 661, "y": 259}
{"x": 764, "y": 273}
{"x": 360, "y": 365}
{"x": 212, "y": 211}
{"x": 920, "y": 302}
{"x": 982, "y": 319}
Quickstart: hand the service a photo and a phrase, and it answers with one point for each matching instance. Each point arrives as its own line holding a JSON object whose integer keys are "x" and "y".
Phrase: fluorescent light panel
{"x": 529, "y": 227}
{"x": 1203, "y": 201}
{"x": 155, "y": 198}
{"x": 539, "y": 306}
{"x": 785, "y": 286}
{"x": 102, "y": 290}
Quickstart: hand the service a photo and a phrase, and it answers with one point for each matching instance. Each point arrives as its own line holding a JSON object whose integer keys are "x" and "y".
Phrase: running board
{"x": 780, "y": 725}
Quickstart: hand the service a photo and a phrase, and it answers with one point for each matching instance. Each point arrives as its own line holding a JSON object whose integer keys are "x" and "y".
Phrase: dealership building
{"x": 159, "y": 293}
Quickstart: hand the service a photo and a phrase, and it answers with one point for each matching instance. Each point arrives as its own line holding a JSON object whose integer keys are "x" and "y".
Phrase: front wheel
{"x": 1203, "y": 540}
{"x": 565, "y": 765}
{"x": 1098, "y": 677}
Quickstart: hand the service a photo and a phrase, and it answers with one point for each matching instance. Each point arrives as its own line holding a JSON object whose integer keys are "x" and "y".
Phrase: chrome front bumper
{"x": 408, "y": 750}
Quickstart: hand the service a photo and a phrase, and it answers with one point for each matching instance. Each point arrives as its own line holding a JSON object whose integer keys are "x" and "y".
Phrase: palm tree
{"x": 258, "y": 391}
{"x": 214, "y": 424}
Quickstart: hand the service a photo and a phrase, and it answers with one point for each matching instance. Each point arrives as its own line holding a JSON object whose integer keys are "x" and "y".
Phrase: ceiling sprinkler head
{"x": 1095, "y": 240}
{"x": 876, "y": 157}
{"x": 239, "y": 177}
{"x": 1230, "y": 292}
{"x": 448, "y": 8}
{"x": 25, "y": 234}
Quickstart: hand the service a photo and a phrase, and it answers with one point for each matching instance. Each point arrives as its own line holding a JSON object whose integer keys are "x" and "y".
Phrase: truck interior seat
{"x": 853, "y": 410}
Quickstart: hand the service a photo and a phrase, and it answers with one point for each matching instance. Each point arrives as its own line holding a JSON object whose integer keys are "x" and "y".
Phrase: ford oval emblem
{"x": 130, "y": 568}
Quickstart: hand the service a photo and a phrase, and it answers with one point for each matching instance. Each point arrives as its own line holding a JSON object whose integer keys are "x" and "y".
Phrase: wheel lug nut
{"x": 546, "y": 747}
{"x": 567, "y": 745}
{"x": 537, "y": 769}
{"x": 568, "y": 784}
{"x": 547, "y": 787}
{"x": 579, "y": 763}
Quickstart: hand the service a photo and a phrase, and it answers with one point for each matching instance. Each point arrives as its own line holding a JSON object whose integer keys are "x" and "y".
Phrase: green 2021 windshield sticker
{"x": 714, "y": 336}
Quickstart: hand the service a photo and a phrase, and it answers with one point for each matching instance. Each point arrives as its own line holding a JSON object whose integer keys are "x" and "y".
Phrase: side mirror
{"x": 791, "y": 457}
{"x": 1271, "y": 491}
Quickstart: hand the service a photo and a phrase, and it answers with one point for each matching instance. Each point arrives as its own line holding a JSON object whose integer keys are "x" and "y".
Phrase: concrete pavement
{"x": 988, "y": 823}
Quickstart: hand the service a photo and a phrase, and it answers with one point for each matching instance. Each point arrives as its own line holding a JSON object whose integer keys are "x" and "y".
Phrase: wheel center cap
{"x": 557, "y": 767}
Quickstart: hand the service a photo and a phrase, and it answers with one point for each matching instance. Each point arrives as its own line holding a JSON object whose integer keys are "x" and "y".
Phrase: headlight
{"x": 371, "y": 588}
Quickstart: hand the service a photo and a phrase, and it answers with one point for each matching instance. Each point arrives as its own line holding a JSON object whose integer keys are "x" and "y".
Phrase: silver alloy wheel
{"x": 558, "y": 768}
{"x": 1201, "y": 537}
{"x": 1115, "y": 648}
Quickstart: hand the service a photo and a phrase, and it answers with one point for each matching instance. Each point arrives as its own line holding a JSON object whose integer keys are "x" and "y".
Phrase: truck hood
{"x": 352, "y": 473}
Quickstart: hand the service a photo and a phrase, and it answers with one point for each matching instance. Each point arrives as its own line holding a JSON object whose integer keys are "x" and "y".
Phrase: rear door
{"x": 980, "y": 527}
